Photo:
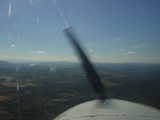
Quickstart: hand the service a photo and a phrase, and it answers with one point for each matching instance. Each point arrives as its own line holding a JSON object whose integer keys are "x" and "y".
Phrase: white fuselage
{"x": 111, "y": 109}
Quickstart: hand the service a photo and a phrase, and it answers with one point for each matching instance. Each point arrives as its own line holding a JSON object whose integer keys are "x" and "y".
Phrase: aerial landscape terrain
{"x": 43, "y": 90}
{"x": 44, "y": 42}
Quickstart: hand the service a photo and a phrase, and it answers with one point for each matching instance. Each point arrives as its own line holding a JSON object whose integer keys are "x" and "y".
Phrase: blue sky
{"x": 110, "y": 30}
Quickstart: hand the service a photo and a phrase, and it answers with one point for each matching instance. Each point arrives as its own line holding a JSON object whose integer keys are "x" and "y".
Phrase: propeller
{"x": 91, "y": 73}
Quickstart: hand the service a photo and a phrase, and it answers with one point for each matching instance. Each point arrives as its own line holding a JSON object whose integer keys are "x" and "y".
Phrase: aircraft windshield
{"x": 40, "y": 73}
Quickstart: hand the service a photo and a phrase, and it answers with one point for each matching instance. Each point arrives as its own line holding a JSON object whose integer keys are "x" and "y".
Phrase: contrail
{"x": 61, "y": 14}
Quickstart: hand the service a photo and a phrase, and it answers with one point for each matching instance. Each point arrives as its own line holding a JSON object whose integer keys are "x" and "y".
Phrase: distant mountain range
{"x": 5, "y": 64}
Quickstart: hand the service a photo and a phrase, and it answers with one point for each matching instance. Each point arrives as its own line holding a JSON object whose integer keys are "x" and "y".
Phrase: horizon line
{"x": 94, "y": 62}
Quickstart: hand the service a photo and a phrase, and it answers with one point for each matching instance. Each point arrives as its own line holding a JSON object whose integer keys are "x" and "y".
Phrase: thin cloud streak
{"x": 141, "y": 45}
{"x": 37, "y": 52}
{"x": 130, "y": 53}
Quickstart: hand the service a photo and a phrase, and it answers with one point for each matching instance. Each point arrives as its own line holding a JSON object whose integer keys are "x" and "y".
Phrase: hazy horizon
{"x": 77, "y": 62}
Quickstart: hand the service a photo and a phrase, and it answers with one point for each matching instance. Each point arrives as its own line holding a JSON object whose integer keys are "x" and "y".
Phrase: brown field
{"x": 4, "y": 98}
{"x": 14, "y": 84}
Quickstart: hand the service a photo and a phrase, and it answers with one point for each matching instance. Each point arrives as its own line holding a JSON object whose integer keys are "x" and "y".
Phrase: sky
{"x": 110, "y": 30}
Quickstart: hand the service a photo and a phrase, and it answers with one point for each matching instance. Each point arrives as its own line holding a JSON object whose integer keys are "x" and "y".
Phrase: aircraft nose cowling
{"x": 111, "y": 109}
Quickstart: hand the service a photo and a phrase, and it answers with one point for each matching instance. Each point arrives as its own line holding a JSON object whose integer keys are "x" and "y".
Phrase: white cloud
{"x": 140, "y": 45}
{"x": 130, "y": 53}
{"x": 41, "y": 52}
{"x": 131, "y": 50}
{"x": 37, "y": 52}
{"x": 13, "y": 45}
{"x": 32, "y": 64}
